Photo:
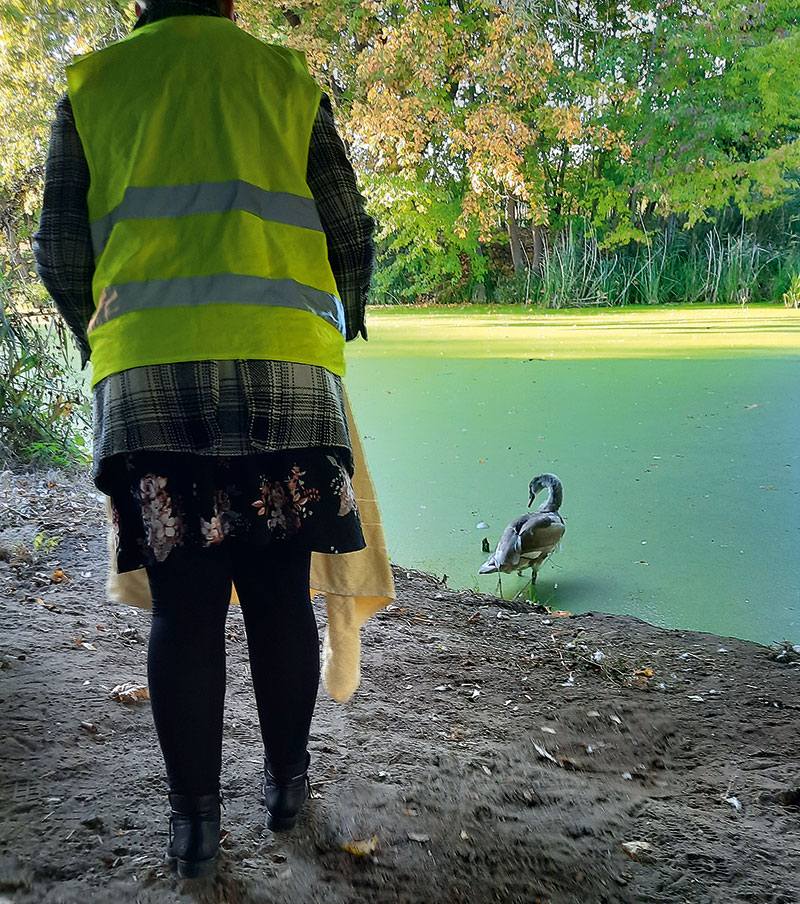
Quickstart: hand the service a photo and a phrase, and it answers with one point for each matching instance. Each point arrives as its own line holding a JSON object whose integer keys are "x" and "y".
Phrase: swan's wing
{"x": 541, "y": 533}
{"x": 509, "y": 550}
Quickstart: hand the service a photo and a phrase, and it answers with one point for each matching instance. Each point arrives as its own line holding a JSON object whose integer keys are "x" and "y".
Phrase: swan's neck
{"x": 553, "y": 502}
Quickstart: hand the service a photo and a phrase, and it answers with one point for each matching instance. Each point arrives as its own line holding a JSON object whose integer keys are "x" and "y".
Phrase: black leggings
{"x": 186, "y": 661}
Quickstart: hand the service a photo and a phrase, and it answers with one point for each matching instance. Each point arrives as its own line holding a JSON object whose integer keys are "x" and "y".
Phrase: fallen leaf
{"x": 647, "y": 673}
{"x": 636, "y": 849}
{"x": 422, "y": 839}
{"x": 561, "y": 613}
{"x": 360, "y": 848}
{"x": 88, "y": 646}
{"x": 129, "y": 692}
{"x": 58, "y": 577}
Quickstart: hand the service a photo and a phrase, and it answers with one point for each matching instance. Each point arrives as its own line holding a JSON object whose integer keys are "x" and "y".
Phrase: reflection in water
{"x": 682, "y": 478}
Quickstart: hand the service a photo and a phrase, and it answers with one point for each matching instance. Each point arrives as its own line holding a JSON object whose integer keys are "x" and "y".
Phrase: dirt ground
{"x": 492, "y": 753}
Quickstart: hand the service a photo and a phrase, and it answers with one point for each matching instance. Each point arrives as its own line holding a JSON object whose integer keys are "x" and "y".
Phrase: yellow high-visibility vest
{"x": 207, "y": 240}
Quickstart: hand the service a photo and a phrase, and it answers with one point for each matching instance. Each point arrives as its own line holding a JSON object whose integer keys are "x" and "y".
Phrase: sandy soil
{"x": 490, "y": 754}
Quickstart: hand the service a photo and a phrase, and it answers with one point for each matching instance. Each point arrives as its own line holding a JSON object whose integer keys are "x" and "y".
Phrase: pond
{"x": 676, "y": 433}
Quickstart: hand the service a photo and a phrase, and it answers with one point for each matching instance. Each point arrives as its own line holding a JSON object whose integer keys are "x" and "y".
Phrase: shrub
{"x": 44, "y": 409}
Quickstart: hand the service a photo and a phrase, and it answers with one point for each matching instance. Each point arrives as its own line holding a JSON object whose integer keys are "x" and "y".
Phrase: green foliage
{"x": 720, "y": 120}
{"x": 37, "y": 39}
{"x": 422, "y": 253}
{"x": 791, "y": 297}
{"x": 43, "y": 407}
{"x": 43, "y": 546}
{"x": 44, "y": 411}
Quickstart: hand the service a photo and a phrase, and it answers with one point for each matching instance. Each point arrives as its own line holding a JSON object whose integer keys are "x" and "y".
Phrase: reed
{"x": 44, "y": 408}
{"x": 712, "y": 269}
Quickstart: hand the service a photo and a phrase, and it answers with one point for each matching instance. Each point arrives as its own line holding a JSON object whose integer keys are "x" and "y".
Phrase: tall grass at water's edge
{"x": 44, "y": 409}
{"x": 718, "y": 269}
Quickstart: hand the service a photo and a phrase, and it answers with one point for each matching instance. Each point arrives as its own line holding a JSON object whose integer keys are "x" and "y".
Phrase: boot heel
{"x": 284, "y": 799}
{"x": 194, "y": 825}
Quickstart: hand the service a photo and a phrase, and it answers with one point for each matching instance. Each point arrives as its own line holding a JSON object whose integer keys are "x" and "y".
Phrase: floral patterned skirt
{"x": 164, "y": 500}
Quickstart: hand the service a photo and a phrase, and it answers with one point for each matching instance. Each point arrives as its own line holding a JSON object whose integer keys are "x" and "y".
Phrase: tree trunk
{"x": 513, "y": 235}
{"x": 633, "y": 205}
{"x": 672, "y": 220}
{"x": 539, "y": 238}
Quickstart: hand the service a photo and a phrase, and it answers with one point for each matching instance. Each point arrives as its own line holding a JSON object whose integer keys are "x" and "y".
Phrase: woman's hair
{"x": 162, "y": 9}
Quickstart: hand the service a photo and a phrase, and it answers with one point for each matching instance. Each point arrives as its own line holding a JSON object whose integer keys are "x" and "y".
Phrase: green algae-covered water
{"x": 676, "y": 433}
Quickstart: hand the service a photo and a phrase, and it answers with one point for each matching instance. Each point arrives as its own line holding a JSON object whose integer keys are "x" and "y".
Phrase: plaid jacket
{"x": 211, "y": 407}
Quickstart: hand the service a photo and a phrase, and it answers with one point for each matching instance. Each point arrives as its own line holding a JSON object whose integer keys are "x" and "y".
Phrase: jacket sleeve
{"x": 348, "y": 228}
{"x": 62, "y": 245}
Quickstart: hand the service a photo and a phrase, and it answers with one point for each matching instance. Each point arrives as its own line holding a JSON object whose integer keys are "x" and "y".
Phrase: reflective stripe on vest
{"x": 159, "y": 201}
{"x": 218, "y": 288}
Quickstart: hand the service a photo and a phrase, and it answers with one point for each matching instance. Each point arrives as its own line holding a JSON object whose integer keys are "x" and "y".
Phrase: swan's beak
{"x": 530, "y": 501}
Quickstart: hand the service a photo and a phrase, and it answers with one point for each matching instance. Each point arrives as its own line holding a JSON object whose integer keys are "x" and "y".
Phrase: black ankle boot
{"x": 284, "y": 798}
{"x": 194, "y": 834}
